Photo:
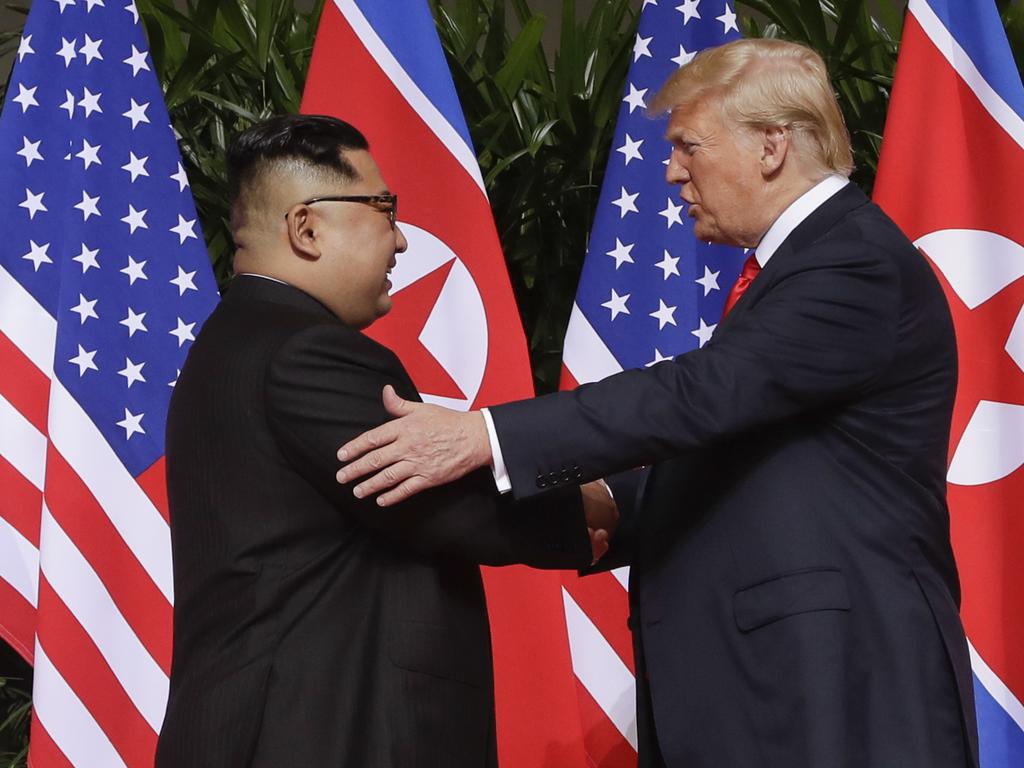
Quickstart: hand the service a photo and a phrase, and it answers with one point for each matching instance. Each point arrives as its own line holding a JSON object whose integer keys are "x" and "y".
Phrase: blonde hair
{"x": 764, "y": 83}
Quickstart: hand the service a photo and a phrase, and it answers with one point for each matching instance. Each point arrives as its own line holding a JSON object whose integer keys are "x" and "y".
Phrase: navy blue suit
{"x": 794, "y": 594}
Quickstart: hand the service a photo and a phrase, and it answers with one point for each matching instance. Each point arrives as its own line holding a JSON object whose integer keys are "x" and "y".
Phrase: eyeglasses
{"x": 384, "y": 203}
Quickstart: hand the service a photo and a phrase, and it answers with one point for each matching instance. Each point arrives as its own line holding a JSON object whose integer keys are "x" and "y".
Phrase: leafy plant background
{"x": 542, "y": 123}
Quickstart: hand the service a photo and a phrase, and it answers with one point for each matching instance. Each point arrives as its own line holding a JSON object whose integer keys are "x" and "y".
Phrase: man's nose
{"x": 400, "y": 242}
{"x": 676, "y": 173}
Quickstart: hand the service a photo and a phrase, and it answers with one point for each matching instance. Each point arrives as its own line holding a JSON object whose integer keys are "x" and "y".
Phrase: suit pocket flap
{"x": 788, "y": 595}
{"x": 439, "y": 651}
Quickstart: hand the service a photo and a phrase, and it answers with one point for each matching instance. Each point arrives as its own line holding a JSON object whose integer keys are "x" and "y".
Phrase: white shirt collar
{"x": 265, "y": 277}
{"x": 794, "y": 215}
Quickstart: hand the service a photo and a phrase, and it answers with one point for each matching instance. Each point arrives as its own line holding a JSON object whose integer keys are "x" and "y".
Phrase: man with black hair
{"x": 312, "y": 628}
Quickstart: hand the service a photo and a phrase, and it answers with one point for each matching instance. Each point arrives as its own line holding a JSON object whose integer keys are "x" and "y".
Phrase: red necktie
{"x": 750, "y": 270}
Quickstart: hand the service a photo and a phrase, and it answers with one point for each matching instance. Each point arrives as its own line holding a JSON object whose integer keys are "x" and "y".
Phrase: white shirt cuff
{"x": 501, "y": 478}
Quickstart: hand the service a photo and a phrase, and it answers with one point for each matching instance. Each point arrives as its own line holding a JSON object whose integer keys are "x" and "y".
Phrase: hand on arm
{"x": 602, "y": 516}
{"x": 422, "y": 447}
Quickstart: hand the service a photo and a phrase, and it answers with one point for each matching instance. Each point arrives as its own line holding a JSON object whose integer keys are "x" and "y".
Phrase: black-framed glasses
{"x": 384, "y": 203}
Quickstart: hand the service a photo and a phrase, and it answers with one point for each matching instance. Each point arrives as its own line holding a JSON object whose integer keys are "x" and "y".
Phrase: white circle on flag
{"x": 456, "y": 330}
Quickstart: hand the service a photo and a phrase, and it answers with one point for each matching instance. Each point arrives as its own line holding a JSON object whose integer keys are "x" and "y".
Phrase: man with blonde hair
{"x": 793, "y": 590}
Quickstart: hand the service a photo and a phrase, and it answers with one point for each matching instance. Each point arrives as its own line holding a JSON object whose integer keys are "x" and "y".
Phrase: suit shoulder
{"x": 336, "y": 344}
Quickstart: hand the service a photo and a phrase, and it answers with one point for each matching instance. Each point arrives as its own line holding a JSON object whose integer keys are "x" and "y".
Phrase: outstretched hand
{"x": 423, "y": 447}
{"x": 602, "y": 514}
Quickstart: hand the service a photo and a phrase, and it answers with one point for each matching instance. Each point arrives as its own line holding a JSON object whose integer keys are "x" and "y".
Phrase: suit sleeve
{"x": 324, "y": 388}
{"x": 816, "y": 338}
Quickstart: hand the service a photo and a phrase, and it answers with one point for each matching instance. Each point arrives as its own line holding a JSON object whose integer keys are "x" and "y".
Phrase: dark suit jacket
{"x": 312, "y": 629}
{"x": 794, "y": 595}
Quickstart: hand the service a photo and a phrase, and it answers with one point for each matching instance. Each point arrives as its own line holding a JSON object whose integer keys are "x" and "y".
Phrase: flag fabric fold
{"x": 454, "y": 323}
{"x": 104, "y": 282}
{"x": 648, "y": 291}
{"x": 949, "y": 175}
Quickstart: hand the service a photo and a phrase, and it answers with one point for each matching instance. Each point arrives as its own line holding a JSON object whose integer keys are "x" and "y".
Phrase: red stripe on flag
{"x": 17, "y": 621}
{"x": 87, "y": 673}
{"x": 606, "y": 747}
{"x": 24, "y": 385}
{"x": 21, "y": 503}
{"x": 154, "y": 484}
{"x": 604, "y": 601}
{"x": 567, "y": 380}
{"x": 43, "y": 752}
{"x": 140, "y": 601}
{"x": 532, "y": 664}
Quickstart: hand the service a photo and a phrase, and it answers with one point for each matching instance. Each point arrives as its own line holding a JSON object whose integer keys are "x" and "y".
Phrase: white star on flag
{"x": 137, "y": 113}
{"x": 626, "y": 203}
{"x": 64, "y": 4}
{"x": 133, "y": 322}
{"x": 137, "y": 61}
{"x": 672, "y": 213}
{"x": 134, "y": 270}
{"x": 184, "y": 281}
{"x": 131, "y": 424}
{"x": 621, "y": 253}
{"x": 91, "y": 50}
{"x": 89, "y": 153}
{"x": 25, "y": 47}
{"x": 69, "y": 104}
{"x": 30, "y": 151}
{"x": 684, "y": 57}
{"x": 617, "y": 304}
{"x": 184, "y": 229}
{"x": 38, "y": 254}
{"x": 631, "y": 149}
{"x": 88, "y": 206}
{"x": 704, "y": 332}
{"x": 635, "y": 98}
{"x": 84, "y": 361}
{"x": 664, "y": 314}
{"x": 668, "y": 265}
{"x": 33, "y": 203}
{"x": 709, "y": 281}
{"x": 67, "y": 51}
{"x": 689, "y": 10}
{"x": 728, "y": 19}
{"x": 180, "y": 177}
{"x": 641, "y": 47}
{"x": 132, "y": 372}
{"x": 183, "y": 332}
{"x": 87, "y": 258}
{"x": 91, "y": 3}
{"x": 135, "y": 219}
{"x": 136, "y": 166}
{"x": 86, "y": 309}
{"x": 26, "y": 97}
{"x": 90, "y": 101}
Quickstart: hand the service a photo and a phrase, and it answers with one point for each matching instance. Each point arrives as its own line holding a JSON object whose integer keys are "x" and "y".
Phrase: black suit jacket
{"x": 794, "y": 595}
{"x": 311, "y": 628}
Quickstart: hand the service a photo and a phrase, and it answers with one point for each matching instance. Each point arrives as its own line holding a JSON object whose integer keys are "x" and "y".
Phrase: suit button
{"x": 541, "y": 484}
{"x": 579, "y": 475}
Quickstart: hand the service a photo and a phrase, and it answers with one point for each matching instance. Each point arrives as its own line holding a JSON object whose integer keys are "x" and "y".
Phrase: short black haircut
{"x": 314, "y": 140}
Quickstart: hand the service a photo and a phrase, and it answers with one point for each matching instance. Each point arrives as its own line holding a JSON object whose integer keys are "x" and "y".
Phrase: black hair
{"x": 315, "y": 139}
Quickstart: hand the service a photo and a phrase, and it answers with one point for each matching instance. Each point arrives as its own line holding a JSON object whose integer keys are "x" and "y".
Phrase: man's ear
{"x": 303, "y": 232}
{"x": 774, "y": 149}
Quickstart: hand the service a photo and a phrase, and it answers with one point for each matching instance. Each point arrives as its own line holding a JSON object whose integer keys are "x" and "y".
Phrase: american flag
{"x": 648, "y": 291}
{"x": 949, "y": 175}
{"x": 104, "y": 282}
